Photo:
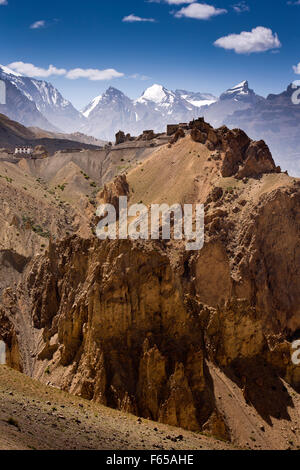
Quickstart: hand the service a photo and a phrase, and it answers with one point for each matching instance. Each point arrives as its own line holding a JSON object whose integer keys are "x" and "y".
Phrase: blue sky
{"x": 177, "y": 47}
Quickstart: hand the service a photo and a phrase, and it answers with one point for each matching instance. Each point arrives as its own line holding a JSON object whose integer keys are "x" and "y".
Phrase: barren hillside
{"x": 36, "y": 417}
{"x": 198, "y": 340}
{"x": 13, "y": 134}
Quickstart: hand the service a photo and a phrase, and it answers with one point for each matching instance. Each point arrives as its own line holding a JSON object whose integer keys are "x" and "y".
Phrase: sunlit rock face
{"x": 137, "y": 325}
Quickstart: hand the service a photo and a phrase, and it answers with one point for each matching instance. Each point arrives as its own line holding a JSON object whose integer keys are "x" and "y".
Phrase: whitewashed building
{"x": 23, "y": 150}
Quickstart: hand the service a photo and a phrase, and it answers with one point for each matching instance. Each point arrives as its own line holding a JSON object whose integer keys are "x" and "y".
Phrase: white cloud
{"x": 199, "y": 11}
{"x": 241, "y": 7}
{"x": 3, "y": 2}
{"x": 133, "y": 19}
{"x": 38, "y": 24}
{"x": 31, "y": 70}
{"x": 93, "y": 74}
{"x": 138, "y": 76}
{"x": 260, "y": 39}
{"x": 296, "y": 69}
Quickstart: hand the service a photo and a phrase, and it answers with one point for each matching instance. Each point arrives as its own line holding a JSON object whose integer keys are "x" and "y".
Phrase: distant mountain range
{"x": 237, "y": 98}
{"x": 36, "y": 103}
{"x": 277, "y": 121}
{"x": 20, "y": 108}
{"x": 157, "y": 107}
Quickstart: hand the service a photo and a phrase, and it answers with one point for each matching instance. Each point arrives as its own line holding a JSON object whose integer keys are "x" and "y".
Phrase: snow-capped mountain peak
{"x": 240, "y": 91}
{"x": 195, "y": 98}
{"x": 47, "y": 99}
{"x": 9, "y": 71}
{"x": 156, "y": 93}
{"x": 237, "y": 98}
{"x": 154, "y": 109}
{"x": 114, "y": 95}
{"x": 244, "y": 85}
{"x": 93, "y": 104}
{"x": 111, "y": 97}
{"x": 114, "y": 91}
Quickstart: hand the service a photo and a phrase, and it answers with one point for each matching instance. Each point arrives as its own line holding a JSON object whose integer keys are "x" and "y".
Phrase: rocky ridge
{"x": 137, "y": 325}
